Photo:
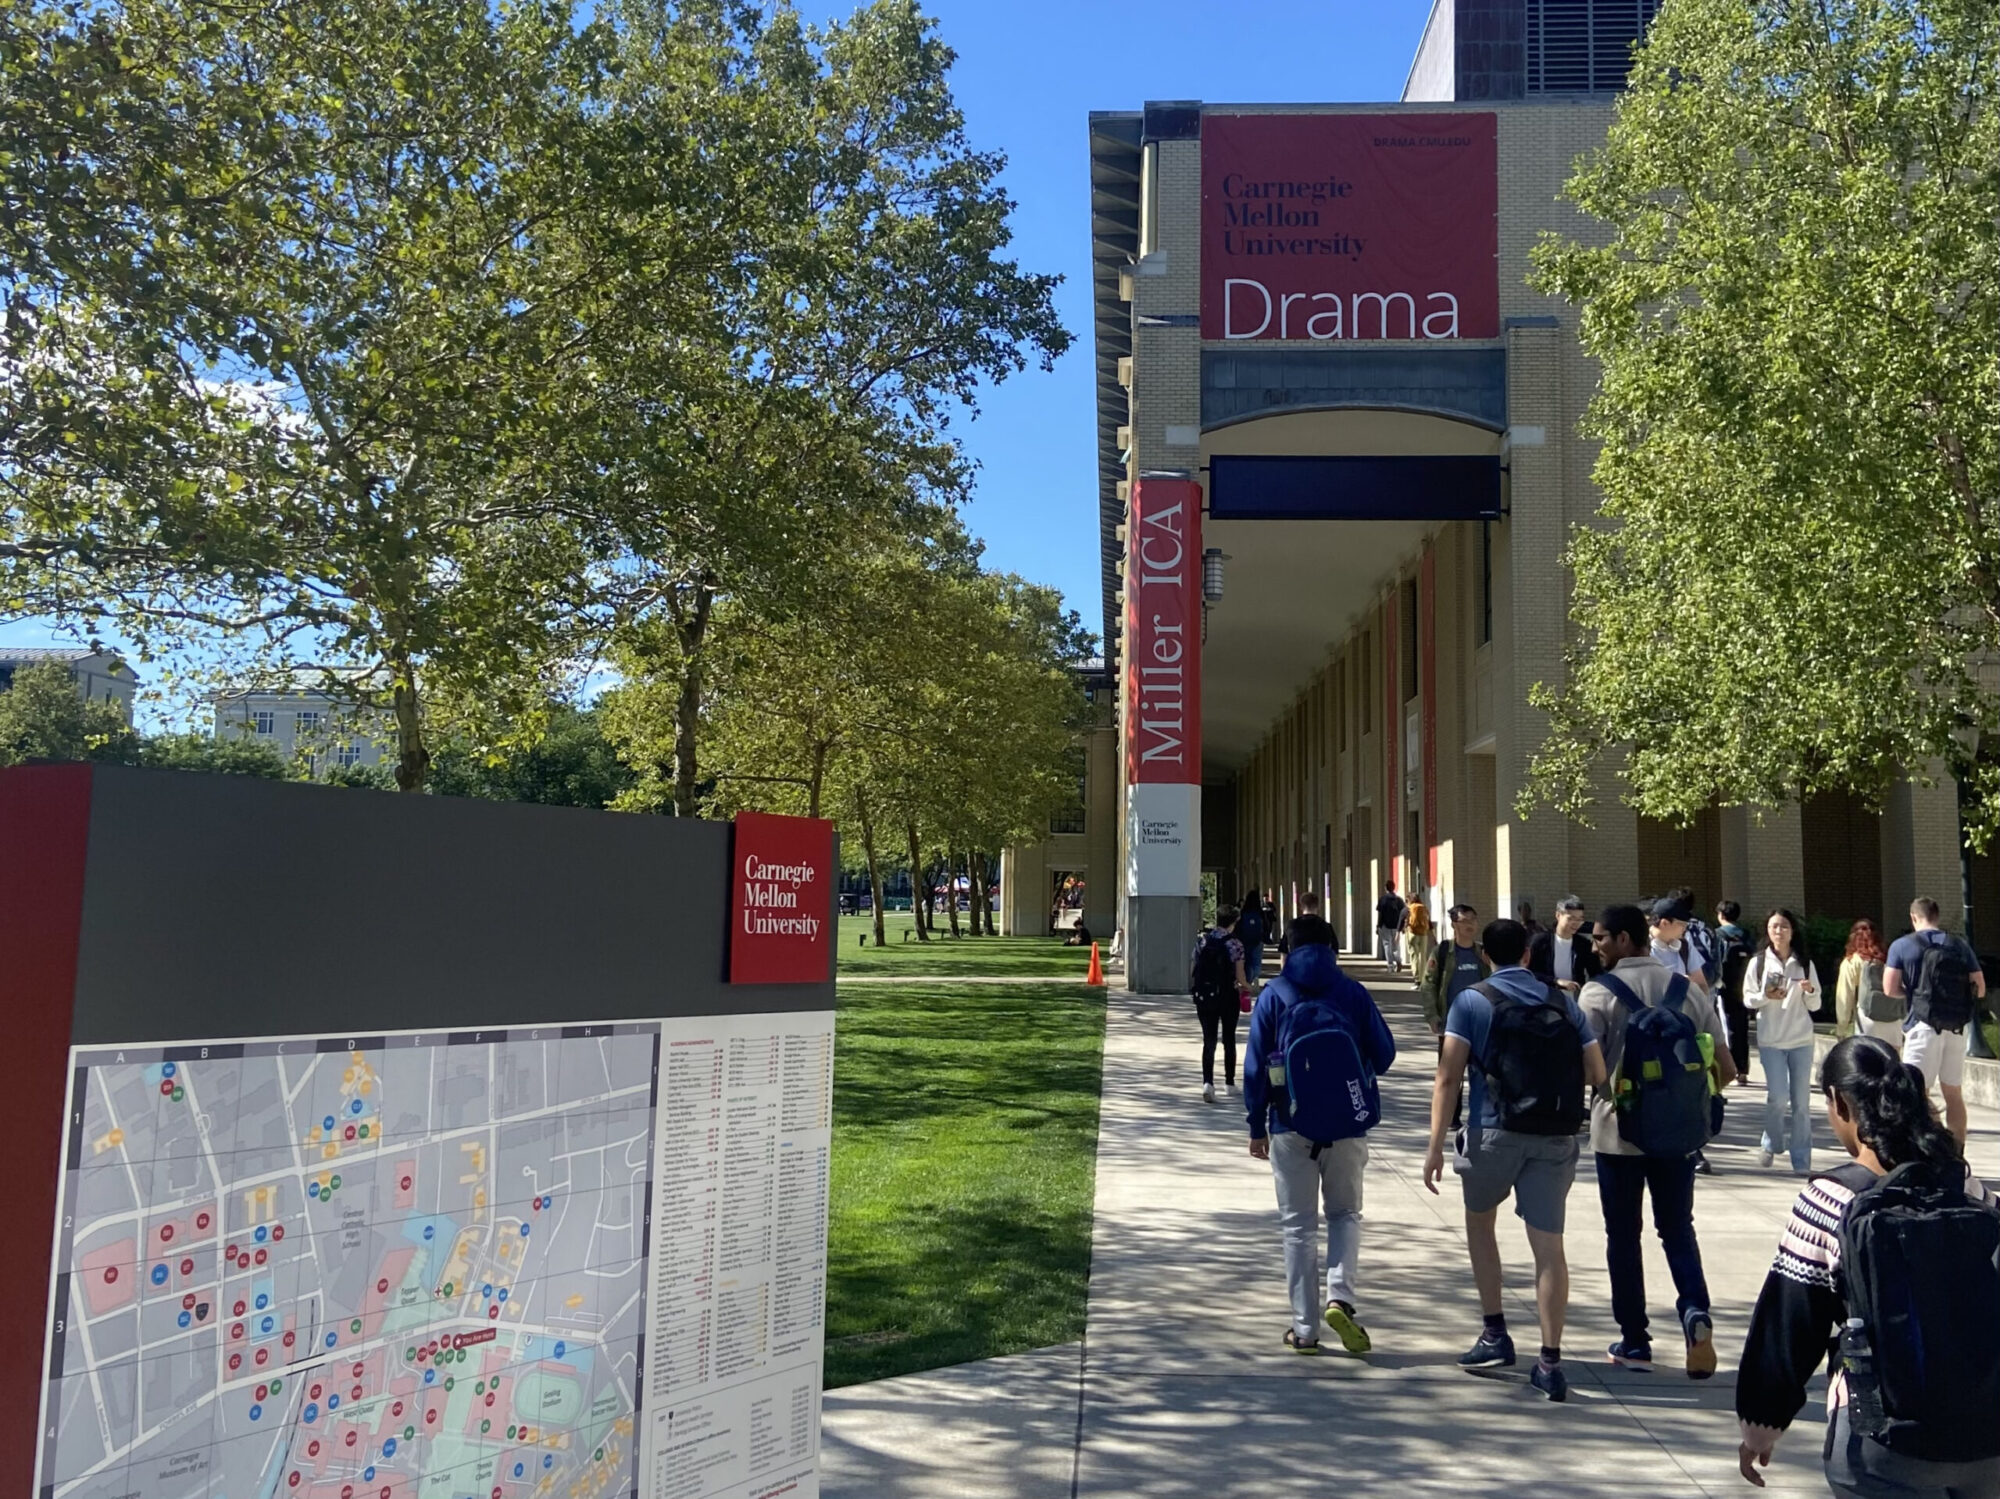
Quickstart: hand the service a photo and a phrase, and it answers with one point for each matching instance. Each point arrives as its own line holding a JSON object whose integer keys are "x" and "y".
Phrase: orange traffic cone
{"x": 1096, "y": 974}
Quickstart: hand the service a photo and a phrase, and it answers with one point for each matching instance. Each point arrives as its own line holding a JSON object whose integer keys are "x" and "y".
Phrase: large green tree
{"x": 293, "y": 292}
{"x": 1794, "y": 299}
{"x": 809, "y": 408}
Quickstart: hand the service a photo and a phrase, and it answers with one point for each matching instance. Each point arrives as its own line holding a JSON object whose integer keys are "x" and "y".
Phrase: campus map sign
{"x": 567, "y": 1253}
{"x": 1330, "y": 227}
{"x": 1163, "y": 688}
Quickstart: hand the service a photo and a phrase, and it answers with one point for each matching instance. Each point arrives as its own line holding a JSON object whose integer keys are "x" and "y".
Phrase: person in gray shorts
{"x": 1535, "y": 1165}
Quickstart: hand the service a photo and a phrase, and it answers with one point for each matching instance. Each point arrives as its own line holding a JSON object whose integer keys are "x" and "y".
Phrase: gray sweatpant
{"x": 1303, "y": 1185}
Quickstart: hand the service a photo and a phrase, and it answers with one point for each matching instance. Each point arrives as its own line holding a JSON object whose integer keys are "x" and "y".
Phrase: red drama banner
{"x": 781, "y": 914}
{"x": 1346, "y": 226}
{"x": 1163, "y": 633}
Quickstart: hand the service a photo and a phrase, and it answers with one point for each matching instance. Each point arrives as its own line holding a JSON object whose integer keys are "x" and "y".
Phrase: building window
{"x": 1408, "y": 645}
{"x": 309, "y": 723}
{"x": 1485, "y": 582}
{"x": 263, "y": 721}
{"x": 1583, "y": 46}
{"x": 348, "y": 755}
{"x": 1070, "y": 818}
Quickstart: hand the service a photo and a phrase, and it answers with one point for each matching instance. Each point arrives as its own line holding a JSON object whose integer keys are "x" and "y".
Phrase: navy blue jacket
{"x": 1309, "y": 973}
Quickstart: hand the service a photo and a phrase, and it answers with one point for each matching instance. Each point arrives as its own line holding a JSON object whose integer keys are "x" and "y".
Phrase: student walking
{"x": 1309, "y": 905}
{"x": 1782, "y": 987}
{"x": 1317, "y": 1044}
{"x": 1418, "y": 931}
{"x": 1390, "y": 914}
{"x": 1253, "y": 932}
{"x": 1939, "y": 976}
{"x": 1565, "y": 957}
{"x": 1886, "y": 1270}
{"x": 1531, "y": 1055}
{"x": 1457, "y": 965}
{"x": 1733, "y": 951}
{"x": 1660, "y": 1038}
{"x": 1860, "y": 998}
{"x": 1216, "y": 979}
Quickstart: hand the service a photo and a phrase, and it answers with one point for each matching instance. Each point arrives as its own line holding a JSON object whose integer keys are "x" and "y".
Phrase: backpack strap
{"x": 1622, "y": 991}
{"x": 1677, "y": 992}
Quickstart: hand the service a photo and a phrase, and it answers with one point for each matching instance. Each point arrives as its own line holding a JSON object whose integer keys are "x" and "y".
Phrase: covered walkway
{"x": 1182, "y": 1388}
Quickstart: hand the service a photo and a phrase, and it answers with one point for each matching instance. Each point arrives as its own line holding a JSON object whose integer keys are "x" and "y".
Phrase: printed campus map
{"x": 395, "y": 1267}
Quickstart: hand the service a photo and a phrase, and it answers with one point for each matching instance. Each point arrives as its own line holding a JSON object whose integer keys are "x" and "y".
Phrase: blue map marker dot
{"x": 368, "y": 1474}
{"x": 327, "y": 1123}
{"x": 186, "y": 1318}
{"x": 561, "y": 1349}
{"x": 429, "y": 1375}
{"x": 159, "y": 1275}
{"x": 331, "y": 1339}
{"x": 517, "y": 1470}
{"x": 261, "y": 1235}
{"x": 310, "y": 1414}
{"x": 333, "y": 1402}
{"x": 389, "y": 1447}
{"x": 548, "y": 1460}
{"x": 168, "y": 1069}
{"x": 503, "y": 1293}
{"x": 256, "y": 1411}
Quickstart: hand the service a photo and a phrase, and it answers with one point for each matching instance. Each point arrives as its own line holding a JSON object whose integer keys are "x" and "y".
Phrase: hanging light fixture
{"x": 1211, "y": 575}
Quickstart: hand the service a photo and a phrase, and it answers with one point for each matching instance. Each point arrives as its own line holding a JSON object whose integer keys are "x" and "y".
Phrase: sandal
{"x": 1292, "y": 1342}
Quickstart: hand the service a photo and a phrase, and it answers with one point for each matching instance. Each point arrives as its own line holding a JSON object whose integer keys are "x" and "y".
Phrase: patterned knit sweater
{"x": 1800, "y": 1310}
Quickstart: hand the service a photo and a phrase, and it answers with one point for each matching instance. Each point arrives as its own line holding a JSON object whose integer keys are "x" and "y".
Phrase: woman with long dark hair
{"x": 1782, "y": 987}
{"x": 1860, "y": 1002}
{"x": 1878, "y": 1111}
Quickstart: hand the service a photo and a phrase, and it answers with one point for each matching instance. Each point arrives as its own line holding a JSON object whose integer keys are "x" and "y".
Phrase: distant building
{"x": 97, "y": 674}
{"x": 299, "y": 717}
{"x": 1071, "y": 876}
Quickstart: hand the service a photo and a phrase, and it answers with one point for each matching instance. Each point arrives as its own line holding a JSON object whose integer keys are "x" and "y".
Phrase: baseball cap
{"x": 1669, "y": 909}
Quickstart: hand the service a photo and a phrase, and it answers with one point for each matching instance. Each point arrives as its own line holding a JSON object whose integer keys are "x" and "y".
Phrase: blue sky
{"x": 1029, "y": 72}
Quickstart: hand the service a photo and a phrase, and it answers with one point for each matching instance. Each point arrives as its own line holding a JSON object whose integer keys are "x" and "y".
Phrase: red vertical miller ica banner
{"x": 781, "y": 910}
{"x": 1163, "y": 688}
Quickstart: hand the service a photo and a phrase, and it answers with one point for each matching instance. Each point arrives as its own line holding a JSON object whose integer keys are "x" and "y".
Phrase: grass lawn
{"x": 1025, "y": 957}
{"x": 964, "y": 1166}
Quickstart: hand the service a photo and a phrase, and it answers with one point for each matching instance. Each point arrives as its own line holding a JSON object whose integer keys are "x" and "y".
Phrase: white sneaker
{"x": 1208, "y": 1092}
{"x": 1765, "y": 1157}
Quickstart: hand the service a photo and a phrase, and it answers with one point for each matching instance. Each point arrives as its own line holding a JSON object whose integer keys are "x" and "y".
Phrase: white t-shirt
{"x": 1565, "y": 959}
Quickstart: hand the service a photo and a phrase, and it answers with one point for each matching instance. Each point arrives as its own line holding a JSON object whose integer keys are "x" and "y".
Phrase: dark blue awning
{"x": 1429, "y": 488}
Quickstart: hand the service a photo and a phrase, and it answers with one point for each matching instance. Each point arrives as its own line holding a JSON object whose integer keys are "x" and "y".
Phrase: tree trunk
{"x": 918, "y": 899}
{"x": 692, "y": 632}
{"x": 976, "y": 879}
{"x": 874, "y": 864}
{"x": 951, "y": 893}
{"x": 413, "y": 757}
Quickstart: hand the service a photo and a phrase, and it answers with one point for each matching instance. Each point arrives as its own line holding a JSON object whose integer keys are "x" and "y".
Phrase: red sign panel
{"x": 1345, "y": 226}
{"x": 1163, "y": 633}
{"x": 781, "y": 916}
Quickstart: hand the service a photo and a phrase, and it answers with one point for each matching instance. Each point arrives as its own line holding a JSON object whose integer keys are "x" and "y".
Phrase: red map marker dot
{"x": 382, "y": 1284}
{"x": 312, "y": 1449}
{"x": 263, "y": 1392}
{"x": 277, "y": 1232}
{"x": 406, "y": 1184}
{"x": 293, "y": 1480}
{"x": 187, "y": 1267}
{"x": 201, "y": 1220}
{"x": 111, "y": 1275}
{"x": 166, "y": 1233}
{"x": 188, "y": 1301}
{"x": 288, "y": 1340}
{"x": 239, "y": 1309}
{"x": 235, "y": 1360}
{"x": 350, "y": 1436}
{"x": 262, "y": 1354}
{"x": 430, "y": 1416}
{"x": 167, "y": 1088}
{"x": 260, "y": 1256}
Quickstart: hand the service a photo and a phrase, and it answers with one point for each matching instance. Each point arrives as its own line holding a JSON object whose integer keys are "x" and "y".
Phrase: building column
{"x": 1763, "y": 862}
{"x": 1530, "y": 608}
{"x": 1920, "y": 851}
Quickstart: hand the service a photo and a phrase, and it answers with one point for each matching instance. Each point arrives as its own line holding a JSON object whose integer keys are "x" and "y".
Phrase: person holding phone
{"x": 1781, "y": 987}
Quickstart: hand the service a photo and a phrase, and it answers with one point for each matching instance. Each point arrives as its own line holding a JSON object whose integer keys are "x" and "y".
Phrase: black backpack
{"x": 1920, "y": 1273}
{"x": 1731, "y": 962}
{"x": 1212, "y": 977}
{"x": 1533, "y": 1065}
{"x": 1943, "y": 999}
{"x": 1250, "y": 930}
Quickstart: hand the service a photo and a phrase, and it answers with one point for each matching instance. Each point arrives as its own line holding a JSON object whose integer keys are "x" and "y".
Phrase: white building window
{"x": 309, "y": 722}
{"x": 264, "y": 721}
{"x": 349, "y": 755}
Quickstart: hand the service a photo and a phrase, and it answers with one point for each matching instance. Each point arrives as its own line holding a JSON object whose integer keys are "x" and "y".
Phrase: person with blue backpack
{"x": 1940, "y": 978}
{"x": 1664, "y": 1051}
{"x": 1317, "y": 1045}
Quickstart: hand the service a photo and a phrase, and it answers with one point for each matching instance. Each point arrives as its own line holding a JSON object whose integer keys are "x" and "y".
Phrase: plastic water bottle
{"x": 1864, "y": 1391}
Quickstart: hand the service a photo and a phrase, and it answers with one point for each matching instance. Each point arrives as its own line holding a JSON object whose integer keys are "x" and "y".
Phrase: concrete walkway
{"x": 1183, "y": 1387}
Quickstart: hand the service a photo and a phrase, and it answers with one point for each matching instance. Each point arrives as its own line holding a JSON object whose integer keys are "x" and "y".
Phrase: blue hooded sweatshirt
{"x": 1309, "y": 972}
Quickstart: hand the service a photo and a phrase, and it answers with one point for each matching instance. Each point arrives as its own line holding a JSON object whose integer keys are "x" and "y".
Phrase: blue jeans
{"x": 1622, "y": 1184}
{"x": 1788, "y": 1077}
